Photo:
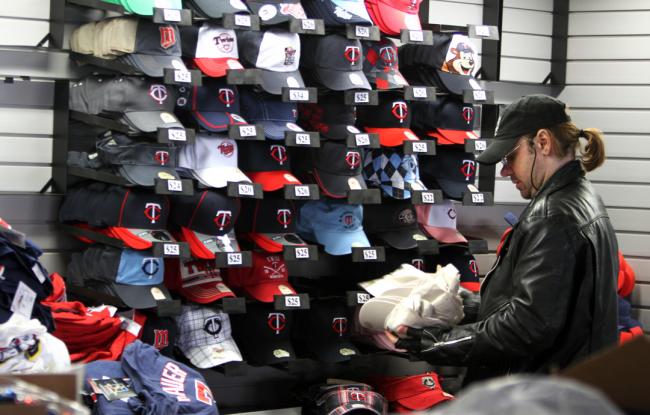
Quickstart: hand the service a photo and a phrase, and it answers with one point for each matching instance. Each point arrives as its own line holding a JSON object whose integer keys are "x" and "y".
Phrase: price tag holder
{"x": 355, "y": 298}
{"x": 168, "y": 308}
{"x": 362, "y": 32}
{"x": 363, "y": 140}
{"x": 181, "y": 17}
{"x": 174, "y": 187}
{"x": 302, "y": 139}
{"x": 371, "y": 254}
{"x": 241, "y": 21}
{"x": 246, "y": 132}
{"x": 426, "y": 197}
{"x": 233, "y": 259}
{"x": 171, "y": 249}
{"x": 420, "y": 93}
{"x": 478, "y": 198}
{"x": 301, "y": 192}
{"x": 300, "y": 253}
{"x": 173, "y": 76}
{"x": 420, "y": 147}
{"x": 477, "y": 246}
{"x": 307, "y": 26}
{"x": 291, "y": 302}
{"x": 353, "y": 97}
{"x": 483, "y": 32}
{"x": 476, "y": 146}
{"x": 175, "y": 135}
{"x": 428, "y": 247}
{"x": 245, "y": 189}
{"x": 478, "y": 96}
{"x": 364, "y": 197}
{"x": 251, "y": 76}
{"x": 233, "y": 305}
{"x": 419, "y": 37}
{"x": 299, "y": 95}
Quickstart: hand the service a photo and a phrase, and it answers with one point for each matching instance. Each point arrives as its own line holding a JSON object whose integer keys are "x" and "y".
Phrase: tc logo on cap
{"x": 227, "y": 149}
{"x": 160, "y": 339}
{"x": 158, "y": 93}
{"x": 387, "y": 54}
{"x": 468, "y": 114}
{"x": 162, "y": 157}
{"x": 152, "y": 211}
{"x": 279, "y": 153}
{"x": 352, "y": 54}
{"x": 406, "y": 217}
{"x": 226, "y": 96}
{"x": 275, "y": 268}
{"x": 353, "y": 159}
{"x": 276, "y": 322}
{"x": 150, "y": 266}
{"x": 222, "y": 218}
{"x": 451, "y": 213}
{"x": 428, "y": 382}
{"x": 418, "y": 263}
{"x": 347, "y": 220}
{"x": 289, "y": 55}
{"x": 399, "y": 109}
{"x": 224, "y": 42}
{"x": 340, "y": 325}
{"x": 167, "y": 37}
{"x": 212, "y": 326}
{"x": 356, "y": 395}
{"x": 284, "y": 217}
{"x": 468, "y": 168}
{"x": 473, "y": 267}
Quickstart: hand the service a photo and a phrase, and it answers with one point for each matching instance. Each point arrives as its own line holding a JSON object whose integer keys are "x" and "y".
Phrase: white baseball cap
{"x": 439, "y": 221}
{"x": 215, "y": 48}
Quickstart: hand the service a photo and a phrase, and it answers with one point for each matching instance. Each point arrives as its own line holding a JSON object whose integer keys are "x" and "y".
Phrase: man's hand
{"x": 415, "y": 340}
{"x": 471, "y": 304}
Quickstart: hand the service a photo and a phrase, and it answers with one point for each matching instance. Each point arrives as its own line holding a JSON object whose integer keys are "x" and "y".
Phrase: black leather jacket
{"x": 550, "y": 298}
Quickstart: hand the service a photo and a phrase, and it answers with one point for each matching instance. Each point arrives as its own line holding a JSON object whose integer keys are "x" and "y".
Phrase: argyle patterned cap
{"x": 395, "y": 173}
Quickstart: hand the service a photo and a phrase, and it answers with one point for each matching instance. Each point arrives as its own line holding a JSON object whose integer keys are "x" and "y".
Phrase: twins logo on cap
{"x": 388, "y": 55}
{"x": 224, "y": 41}
{"x": 162, "y": 157}
{"x": 226, "y": 148}
{"x": 418, "y": 263}
{"x": 227, "y": 96}
{"x": 347, "y": 219}
{"x": 284, "y": 217}
{"x": 276, "y": 322}
{"x": 158, "y": 93}
{"x": 212, "y": 326}
{"x": 452, "y": 213}
{"x": 399, "y": 109}
{"x": 160, "y": 339}
{"x": 428, "y": 382}
{"x": 279, "y": 153}
{"x": 353, "y": 159}
{"x": 150, "y": 266}
{"x": 352, "y": 54}
{"x": 223, "y": 219}
{"x": 468, "y": 169}
{"x": 468, "y": 114}
{"x": 152, "y": 211}
{"x": 275, "y": 267}
{"x": 473, "y": 267}
{"x": 340, "y": 325}
{"x": 167, "y": 37}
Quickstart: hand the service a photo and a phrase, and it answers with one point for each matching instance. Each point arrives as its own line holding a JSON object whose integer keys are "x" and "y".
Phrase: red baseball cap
{"x": 267, "y": 277}
{"x": 415, "y": 392}
{"x": 390, "y": 119}
{"x": 394, "y": 15}
{"x": 197, "y": 280}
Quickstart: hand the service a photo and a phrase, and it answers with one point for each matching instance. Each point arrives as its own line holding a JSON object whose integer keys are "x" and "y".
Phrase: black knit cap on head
{"x": 524, "y": 116}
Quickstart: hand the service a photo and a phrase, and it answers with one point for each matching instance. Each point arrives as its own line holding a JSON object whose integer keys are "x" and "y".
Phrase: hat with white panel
{"x": 212, "y": 48}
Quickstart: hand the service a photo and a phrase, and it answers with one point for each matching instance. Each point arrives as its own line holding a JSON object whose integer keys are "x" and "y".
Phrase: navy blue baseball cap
{"x": 451, "y": 170}
{"x": 338, "y": 12}
{"x": 275, "y": 116}
{"x": 213, "y": 105}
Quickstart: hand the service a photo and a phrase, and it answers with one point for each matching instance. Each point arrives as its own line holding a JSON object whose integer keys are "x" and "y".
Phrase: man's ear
{"x": 544, "y": 142}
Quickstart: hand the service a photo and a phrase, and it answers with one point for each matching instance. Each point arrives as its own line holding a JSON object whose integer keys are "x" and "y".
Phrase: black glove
{"x": 471, "y": 304}
{"x": 421, "y": 339}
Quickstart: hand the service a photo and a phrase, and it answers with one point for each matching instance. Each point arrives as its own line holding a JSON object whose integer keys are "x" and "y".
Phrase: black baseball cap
{"x": 330, "y": 117}
{"x": 459, "y": 256}
{"x": 390, "y": 119}
{"x": 323, "y": 331}
{"x": 137, "y": 161}
{"x": 336, "y": 168}
{"x": 271, "y": 223}
{"x": 272, "y": 12}
{"x": 214, "y": 105}
{"x": 450, "y": 170}
{"x": 266, "y": 163}
{"x": 393, "y": 223}
{"x": 336, "y": 13}
{"x": 264, "y": 334}
{"x": 335, "y": 61}
{"x": 206, "y": 221}
{"x": 275, "y": 116}
{"x": 448, "y": 120}
{"x": 524, "y": 116}
{"x": 381, "y": 64}
{"x": 160, "y": 332}
{"x": 215, "y": 9}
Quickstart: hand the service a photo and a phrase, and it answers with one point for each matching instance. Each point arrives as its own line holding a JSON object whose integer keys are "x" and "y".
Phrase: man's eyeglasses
{"x": 509, "y": 158}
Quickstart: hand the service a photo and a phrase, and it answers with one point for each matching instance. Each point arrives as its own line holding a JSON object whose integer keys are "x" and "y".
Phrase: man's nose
{"x": 505, "y": 170}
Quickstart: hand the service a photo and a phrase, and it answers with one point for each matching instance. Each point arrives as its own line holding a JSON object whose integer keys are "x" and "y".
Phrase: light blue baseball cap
{"x": 139, "y": 279}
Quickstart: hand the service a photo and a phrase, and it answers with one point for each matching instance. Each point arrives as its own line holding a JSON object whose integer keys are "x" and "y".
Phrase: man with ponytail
{"x": 549, "y": 301}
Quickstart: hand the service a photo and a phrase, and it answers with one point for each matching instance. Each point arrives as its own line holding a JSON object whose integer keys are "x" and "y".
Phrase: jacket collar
{"x": 564, "y": 176}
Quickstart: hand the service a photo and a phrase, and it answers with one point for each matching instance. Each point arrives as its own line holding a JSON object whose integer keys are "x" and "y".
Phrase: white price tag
{"x": 243, "y": 20}
{"x": 479, "y": 95}
{"x": 299, "y": 95}
{"x": 308, "y": 24}
{"x": 361, "y": 98}
{"x": 292, "y": 301}
{"x": 478, "y": 198}
{"x": 301, "y": 191}
{"x": 369, "y": 254}
{"x": 427, "y": 197}
{"x": 36, "y": 269}
{"x": 171, "y": 249}
{"x": 174, "y": 185}
{"x": 181, "y": 75}
{"x": 480, "y": 145}
{"x": 420, "y": 92}
{"x": 246, "y": 189}
{"x": 247, "y": 130}
{"x": 303, "y": 139}
{"x": 23, "y": 302}
{"x": 482, "y": 31}
{"x": 362, "y": 140}
{"x": 362, "y": 31}
{"x": 234, "y": 258}
{"x": 416, "y": 36}
{"x": 362, "y": 298}
{"x": 176, "y": 134}
{"x": 302, "y": 253}
{"x": 420, "y": 147}
{"x": 171, "y": 15}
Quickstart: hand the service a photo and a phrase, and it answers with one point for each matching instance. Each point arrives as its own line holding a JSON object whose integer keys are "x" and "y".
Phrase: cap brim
{"x": 215, "y": 121}
{"x": 273, "y": 82}
{"x": 212, "y": 355}
{"x": 139, "y": 238}
{"x": 266, "y": 292}
{"x": 446, "y": 137}
{"x": 219, "y": 177}
{"x": 341, "y": 243}
{"x": 342, "y": 80}
{"x": 217, "y": 67}
{"x": 497, "y": 149}
{"x": 141, "y": 296}
{"x": 453, "y": 189}
{"x": 206, "y": 246}
{"x": 275, "y": 242}
{"x": 154, "y": 65}
{"x": 473, "y": 286}
{"x": 389, "y": 189}
{"x": 392, "y": 20}
{"x": 273, "y": 180}
{"x": 387, "y": 80}
{"x": 403, "y": 238}
{"x": 146, "y": 175}
{"x": 216, "y": 9}
{"x": 206, "y": 293}
{"x": 425, "y": 400}
{"x": 392, "y": 137}
{"x": 335, "y": 352}
{"x": 454, "y": 83}
{"x": 337, "y": 131}
{"x": 150, "y": 121}
{"x": 444, "y": 235}
{"x": 374, "y": 312}
{"x": 335, "y": 185}
{"x": 275, "y": 129}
